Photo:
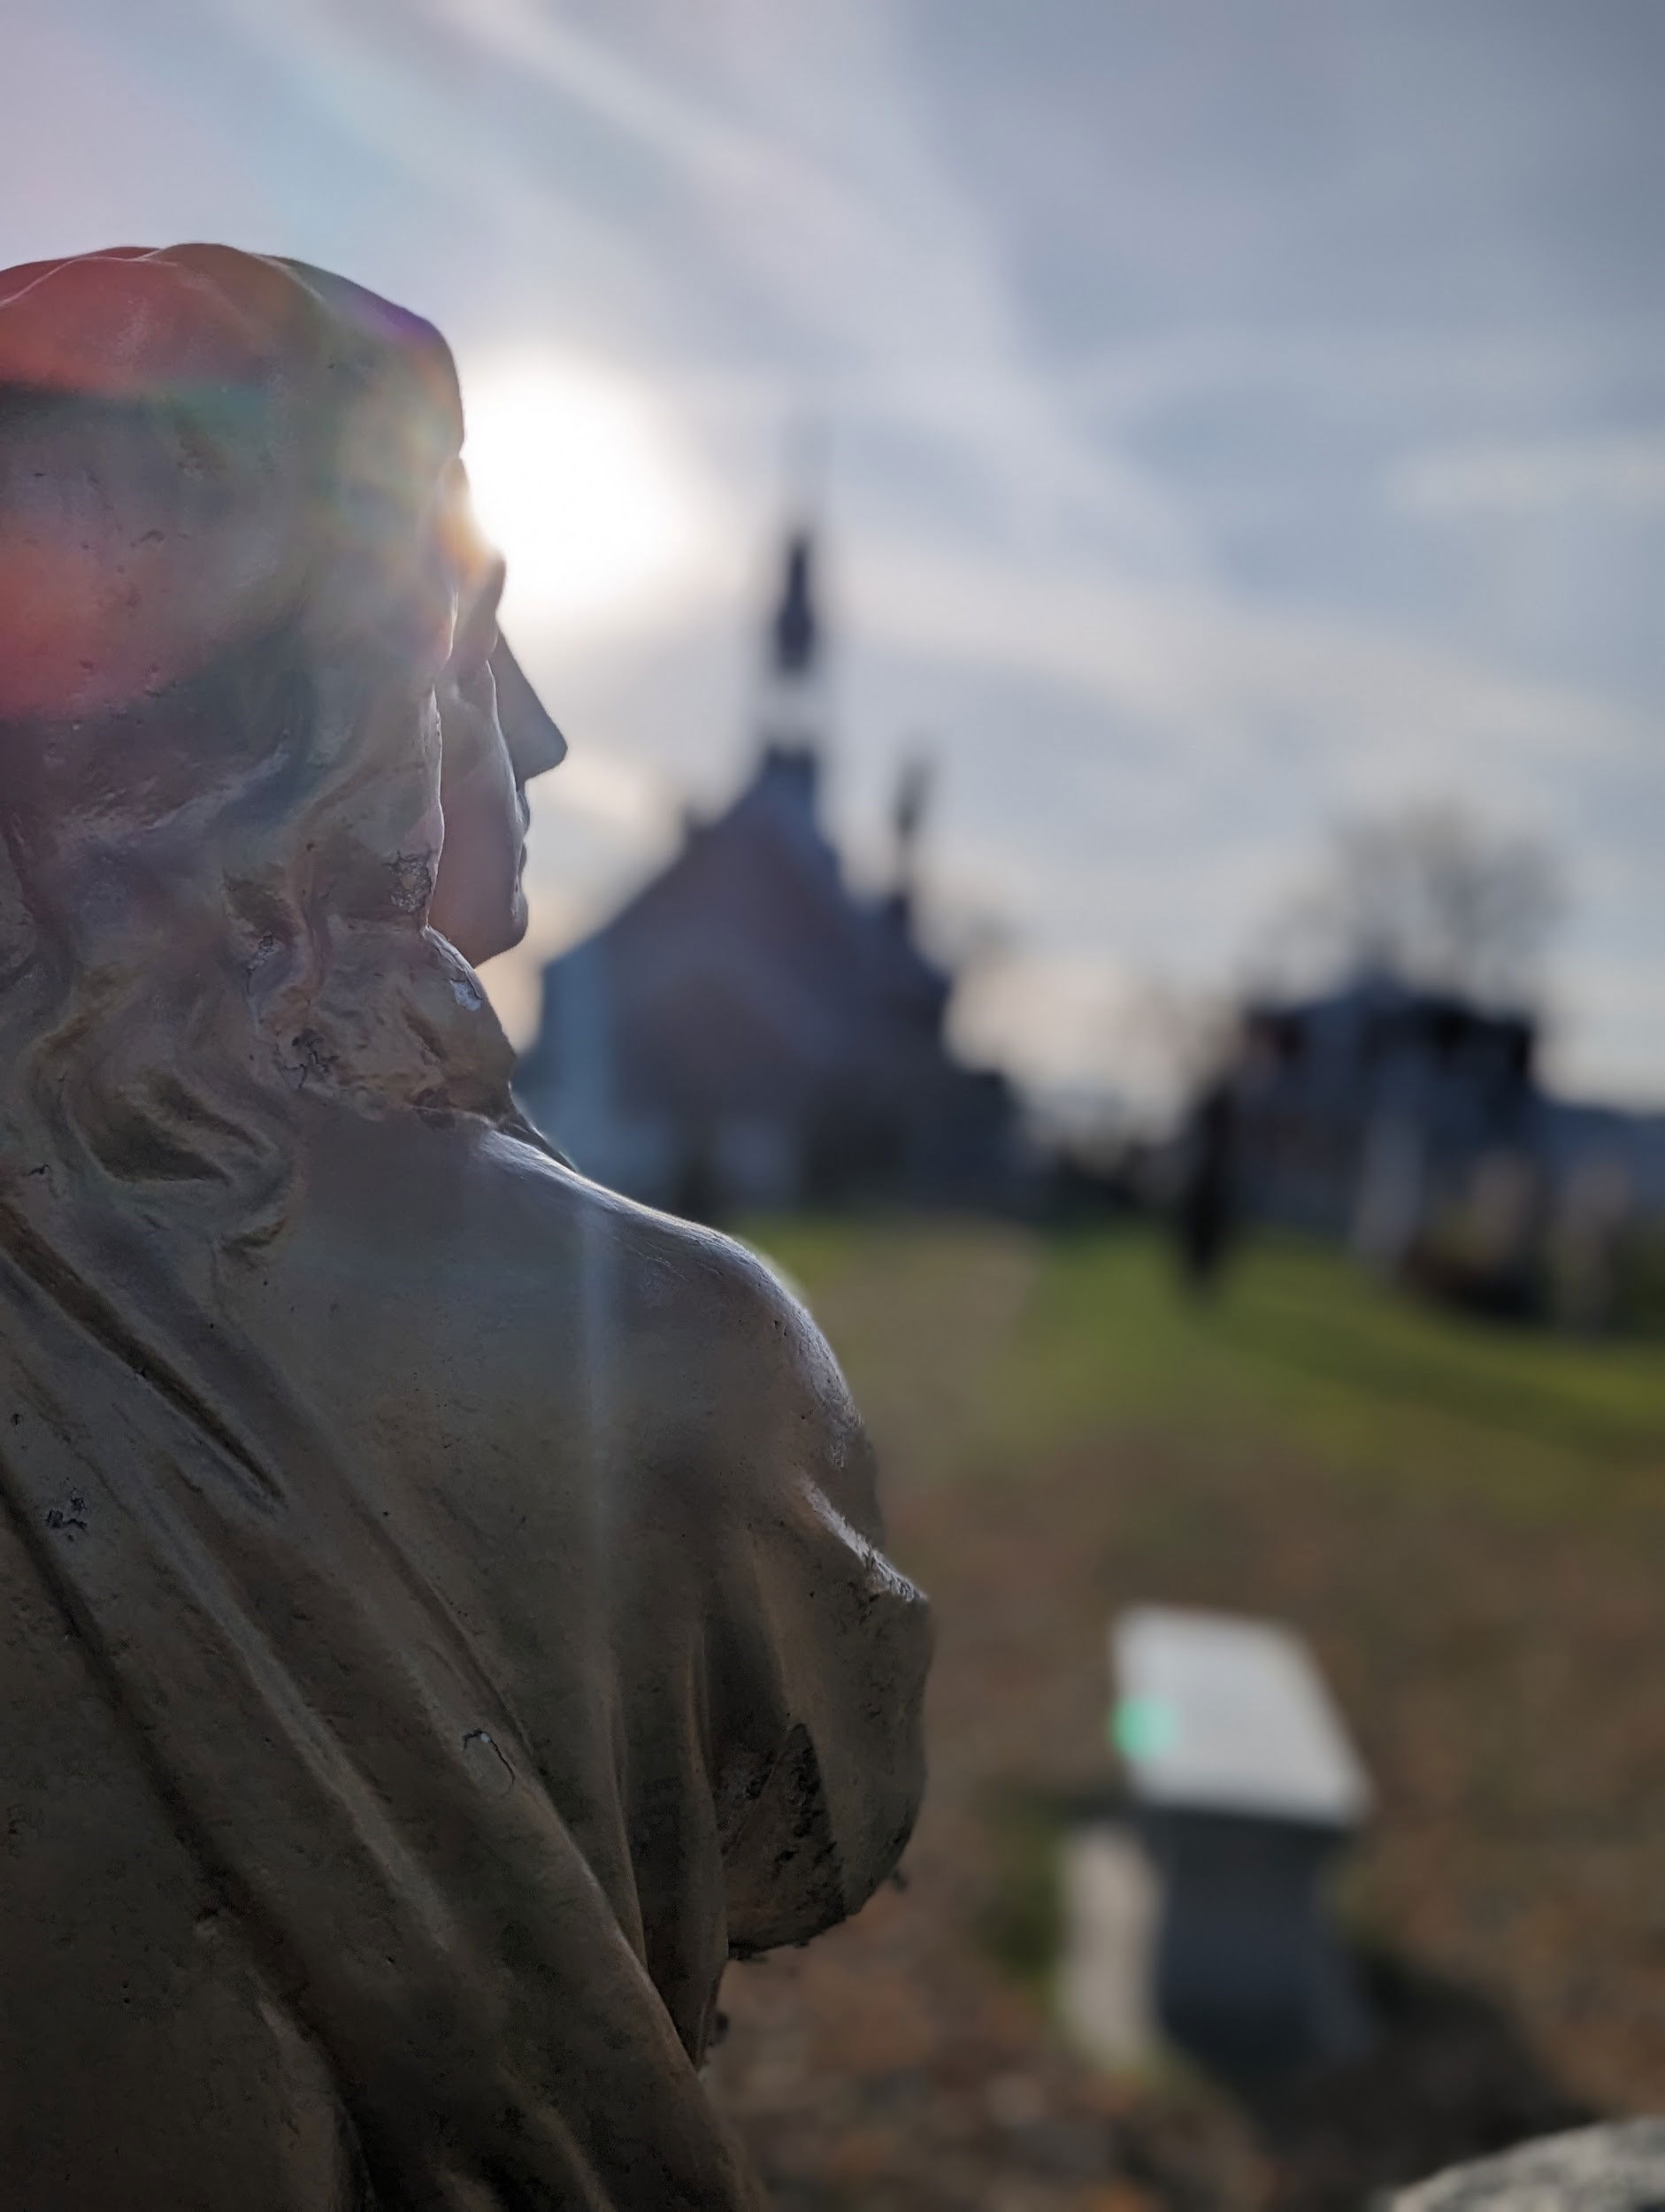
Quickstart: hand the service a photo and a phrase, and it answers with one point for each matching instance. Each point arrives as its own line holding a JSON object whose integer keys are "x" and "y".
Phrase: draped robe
{"x": 435, "y": 1639}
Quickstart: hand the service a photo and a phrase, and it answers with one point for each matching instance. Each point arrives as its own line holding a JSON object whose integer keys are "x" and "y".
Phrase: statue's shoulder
{"x": 688, "y": 1292}
{"x": 533, "y": 1290}
{"x": 732, "y": 1393}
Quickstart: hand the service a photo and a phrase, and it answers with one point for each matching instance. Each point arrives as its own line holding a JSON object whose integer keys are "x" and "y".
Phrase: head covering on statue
{"x": 444, "y": 1613}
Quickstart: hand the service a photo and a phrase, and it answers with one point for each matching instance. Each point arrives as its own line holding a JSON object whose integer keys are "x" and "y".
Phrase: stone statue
{"x": 1617, "y": 2167}
{"x": 443, "y": 1615}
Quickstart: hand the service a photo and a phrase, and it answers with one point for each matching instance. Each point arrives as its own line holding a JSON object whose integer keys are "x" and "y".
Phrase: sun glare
{"x": 579, "y": 478}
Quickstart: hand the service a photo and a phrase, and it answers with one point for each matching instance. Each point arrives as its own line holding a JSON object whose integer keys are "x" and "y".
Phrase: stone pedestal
{"x": 1201, "y": 1921}
{"x": 1247, "y": 1973}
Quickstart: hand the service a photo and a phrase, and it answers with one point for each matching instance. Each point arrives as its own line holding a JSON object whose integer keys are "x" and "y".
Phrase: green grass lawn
{"x": 1299, "y": 1352}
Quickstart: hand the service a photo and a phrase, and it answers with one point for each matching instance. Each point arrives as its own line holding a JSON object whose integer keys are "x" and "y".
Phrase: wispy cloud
{"x": 1624, "y": 474}
{"x": 1212, "y": 666}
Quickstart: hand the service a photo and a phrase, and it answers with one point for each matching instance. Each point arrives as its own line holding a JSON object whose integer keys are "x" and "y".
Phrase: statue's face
{"x": 495, "y": 738}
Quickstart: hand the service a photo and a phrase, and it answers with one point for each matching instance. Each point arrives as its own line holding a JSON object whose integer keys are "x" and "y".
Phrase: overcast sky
{"x": 1237, "y": 414}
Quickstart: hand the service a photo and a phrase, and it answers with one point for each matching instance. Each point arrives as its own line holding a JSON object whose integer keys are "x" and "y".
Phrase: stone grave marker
{"x": 1242, "y": 1788}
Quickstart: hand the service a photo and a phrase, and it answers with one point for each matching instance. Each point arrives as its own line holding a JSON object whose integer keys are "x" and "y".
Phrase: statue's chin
{"x": 510, "y": 930}
{"x": 519, "y": 916}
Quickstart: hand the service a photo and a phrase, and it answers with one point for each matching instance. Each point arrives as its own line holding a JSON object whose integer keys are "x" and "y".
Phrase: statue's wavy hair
{"x": 227, "y": 587}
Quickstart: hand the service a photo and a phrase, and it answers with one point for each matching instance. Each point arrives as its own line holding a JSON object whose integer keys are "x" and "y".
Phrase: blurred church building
{"x": 749, "y": 1030}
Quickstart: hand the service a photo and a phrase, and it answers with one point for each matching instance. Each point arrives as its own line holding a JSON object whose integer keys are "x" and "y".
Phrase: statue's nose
{"x": 535, "y": 743}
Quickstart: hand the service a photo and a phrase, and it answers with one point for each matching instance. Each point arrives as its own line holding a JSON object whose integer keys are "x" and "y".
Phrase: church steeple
{"x": 792, "y": 718}
{"x": 795, "y": 634}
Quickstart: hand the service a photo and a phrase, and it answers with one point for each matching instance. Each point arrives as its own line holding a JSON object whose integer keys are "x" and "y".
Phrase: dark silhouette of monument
{"x": 1205, "y": 1214}
{"x": 748, "y": 1030}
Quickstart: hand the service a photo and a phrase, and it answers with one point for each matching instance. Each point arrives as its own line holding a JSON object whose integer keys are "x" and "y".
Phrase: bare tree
{"x": 1429, "y": 895}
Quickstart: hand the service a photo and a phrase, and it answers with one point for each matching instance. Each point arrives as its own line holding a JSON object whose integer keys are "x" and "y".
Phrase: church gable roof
{"x": 764, "y": 872}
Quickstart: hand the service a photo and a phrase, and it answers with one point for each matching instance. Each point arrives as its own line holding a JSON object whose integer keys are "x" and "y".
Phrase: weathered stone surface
{"x": 1619, "y": 2168}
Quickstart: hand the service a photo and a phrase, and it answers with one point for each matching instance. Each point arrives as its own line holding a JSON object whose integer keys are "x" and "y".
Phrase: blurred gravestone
{"x": 1243, "y": 1788}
